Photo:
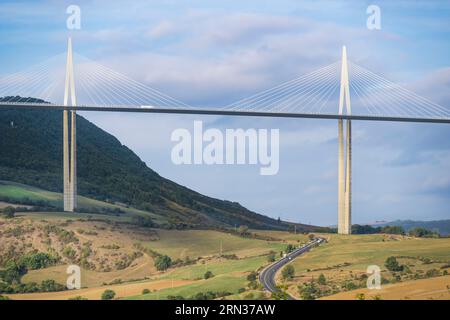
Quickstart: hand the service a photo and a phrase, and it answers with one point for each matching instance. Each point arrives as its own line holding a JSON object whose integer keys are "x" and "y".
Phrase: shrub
{"x": 252, "y": 276}
{"x": 392, "y": 264}
{"x": 288, "y": 272}
{"x": 9, "y": 212}
{"x": 78, "y": 298}
{"x": 208, "y": 274}
{"x": 308, "y": 291}
{"x": 145, "y": 291}
{"x": 38, "y": 260}
{"x": 322, "y": 280}
{"x": 51, "y": 286}
{"x": 108, "y": 294}
{"x": 271, "y": 257}
{"x": 289, "y": 248}
{"x": 163, "y": 262}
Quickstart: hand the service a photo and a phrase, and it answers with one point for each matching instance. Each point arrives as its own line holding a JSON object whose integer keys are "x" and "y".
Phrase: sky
{"x": 212, "y": 53}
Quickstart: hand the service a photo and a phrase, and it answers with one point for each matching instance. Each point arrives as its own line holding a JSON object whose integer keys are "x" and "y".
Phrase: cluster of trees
{"x": 45, "y": 286}
{"x": 209, "y": 295}
{"x": 14, "y": 270}
{"x": 423, "y": 233}
{"x": 366, "y": 229}
{"x": 309, "y": 291}
{"x": 415, "y": 232}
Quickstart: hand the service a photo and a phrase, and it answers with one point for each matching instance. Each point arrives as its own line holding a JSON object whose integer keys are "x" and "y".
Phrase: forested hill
{"x": 31, "y": 153}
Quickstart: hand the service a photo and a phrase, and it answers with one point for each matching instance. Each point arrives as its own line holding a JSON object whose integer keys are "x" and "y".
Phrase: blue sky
{"x": 216, "y": 52}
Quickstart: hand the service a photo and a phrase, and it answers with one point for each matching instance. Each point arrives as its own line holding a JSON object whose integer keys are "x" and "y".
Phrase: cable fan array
{"x": 314, "y": 93}
{"x": 375, "y": 95}
{"x": 318, "y": 93}
{"x": 310, "y": 93}
{"x": 95, "y": 86}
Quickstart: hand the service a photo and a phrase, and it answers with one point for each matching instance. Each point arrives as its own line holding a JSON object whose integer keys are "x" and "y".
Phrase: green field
{"x": 222, "y": 283}
{"x": 20, "y": 192}
{"x": 201, "y": 243}
{"x": 364, "y": 250}
{"x": 344, "y": 260}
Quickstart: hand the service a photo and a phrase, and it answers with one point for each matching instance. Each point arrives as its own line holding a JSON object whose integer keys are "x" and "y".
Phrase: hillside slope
{"x": 31, "y": 147}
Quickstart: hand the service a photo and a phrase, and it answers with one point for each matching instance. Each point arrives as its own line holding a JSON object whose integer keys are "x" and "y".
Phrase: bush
{"x": 208, "y": 274}
{"x": 9, "y": 212}
{"x": 252, "y": 276}
{"x": 243, "y": 230}
{"x": 360, "y": 296}
{"x": 145, "y": 291}
{"x": 163, "y": 262}
{"x": 392, "y": 264}
{"x": 322, "y": 280}
{"x": 423, "y": 233}
{"x": 271, "y": 257}
{"x": 288, "y": 272}
{"x": 108, "y": 294}
{"x": 289, "y": 248}
{"x": 78, "y": 298}
{"x": 38, "y": 260}
{"x": 308, "y": 291}
{"x": 51, "y": 286}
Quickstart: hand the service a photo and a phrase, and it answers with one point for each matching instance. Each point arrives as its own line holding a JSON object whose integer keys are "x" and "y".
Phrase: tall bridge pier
{"x": 344, "y": 154}
{"x": 70, "y": 143}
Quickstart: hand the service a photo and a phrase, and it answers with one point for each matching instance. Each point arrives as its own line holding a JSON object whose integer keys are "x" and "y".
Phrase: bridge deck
{"x": 217, "y": 111}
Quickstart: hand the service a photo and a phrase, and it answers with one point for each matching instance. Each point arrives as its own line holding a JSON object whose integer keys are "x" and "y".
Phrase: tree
{"x": 392, "y": 264}
{"x": 108, "y": 294}
{"x": 289, "y": 248}
{"x": 288, "y": 272}
{"x": 308, "y": 291}
{"x": 145, "y": 291}
{"x": 271, "y": 257}
{"x": 360, "y": 296}
{"x": 9, "y": 212}
{"x": 208, "y": 274}
{"x": 311, "y": 236}
{"x": 252, "y": 276}
{"x": 322, "y": 280}
{"x": 243, "y": 230}
{"x": 163, "y": 262}
{"x": 423, "y": 233}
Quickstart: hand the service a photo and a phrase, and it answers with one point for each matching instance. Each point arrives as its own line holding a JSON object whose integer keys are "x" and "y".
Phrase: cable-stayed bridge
{"x": 72, "y": 82}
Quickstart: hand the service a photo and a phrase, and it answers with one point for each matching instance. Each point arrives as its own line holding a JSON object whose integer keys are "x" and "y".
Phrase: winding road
{"x": 267, "y": 276}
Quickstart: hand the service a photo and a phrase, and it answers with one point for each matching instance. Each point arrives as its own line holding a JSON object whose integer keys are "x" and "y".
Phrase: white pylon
{"x": 70, "y": 158}
{"x": 344, "y": 160}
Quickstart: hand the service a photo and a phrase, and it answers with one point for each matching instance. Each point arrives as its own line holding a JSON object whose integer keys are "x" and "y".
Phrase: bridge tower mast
{"x": 344, "y": 155}
{"x": 70, "y": 144}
